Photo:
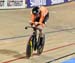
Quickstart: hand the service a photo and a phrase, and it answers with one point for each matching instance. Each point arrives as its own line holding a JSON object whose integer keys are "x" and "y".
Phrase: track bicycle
{"x": 35, "y": 42}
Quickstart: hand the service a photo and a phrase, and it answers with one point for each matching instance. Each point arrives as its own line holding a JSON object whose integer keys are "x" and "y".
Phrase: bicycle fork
{"x": 34, "y": 40}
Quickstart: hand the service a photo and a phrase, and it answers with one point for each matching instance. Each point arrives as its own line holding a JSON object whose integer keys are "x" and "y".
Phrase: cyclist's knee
{"x": 41, "y": 33}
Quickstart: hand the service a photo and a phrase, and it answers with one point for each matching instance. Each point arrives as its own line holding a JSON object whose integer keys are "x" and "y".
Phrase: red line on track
{"x": 43, "y": 52}
{"x": 59, "y": 47}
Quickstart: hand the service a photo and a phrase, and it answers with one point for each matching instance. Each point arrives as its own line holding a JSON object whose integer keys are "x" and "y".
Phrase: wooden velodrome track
{"x": 60, "y": 35}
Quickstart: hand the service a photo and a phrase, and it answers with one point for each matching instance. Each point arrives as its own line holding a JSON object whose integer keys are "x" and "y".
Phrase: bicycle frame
{"x": 34, "y": 36}
{"x": 33, "y": 42}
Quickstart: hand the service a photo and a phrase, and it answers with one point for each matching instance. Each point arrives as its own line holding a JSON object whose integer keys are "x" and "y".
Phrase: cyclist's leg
{"x": 41, "y": 31}
{"x": 44, "y": 22}
{"x": 46, "y": 18}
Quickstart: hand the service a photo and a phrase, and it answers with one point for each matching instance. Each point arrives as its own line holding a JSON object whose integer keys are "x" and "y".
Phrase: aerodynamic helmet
{"x": 35, "y": 10}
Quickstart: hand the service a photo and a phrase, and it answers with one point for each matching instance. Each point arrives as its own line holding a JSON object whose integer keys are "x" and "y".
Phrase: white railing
{"x": 11, "y": 4}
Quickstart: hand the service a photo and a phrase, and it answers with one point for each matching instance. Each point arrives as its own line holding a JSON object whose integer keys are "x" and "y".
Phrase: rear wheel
{"x": 40, "y": 44}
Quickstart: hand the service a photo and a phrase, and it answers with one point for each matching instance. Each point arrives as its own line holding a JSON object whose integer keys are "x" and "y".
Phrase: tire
{"x": 40, "y": 44}
{"x": 29, "y": 48}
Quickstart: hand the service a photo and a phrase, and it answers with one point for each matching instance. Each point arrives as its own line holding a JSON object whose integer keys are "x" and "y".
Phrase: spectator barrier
{"x": 31, "y": 3}
{"x": 11, "y": 4}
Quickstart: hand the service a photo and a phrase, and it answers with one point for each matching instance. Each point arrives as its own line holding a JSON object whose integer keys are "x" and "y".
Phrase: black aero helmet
{"x": 35, "y": 10}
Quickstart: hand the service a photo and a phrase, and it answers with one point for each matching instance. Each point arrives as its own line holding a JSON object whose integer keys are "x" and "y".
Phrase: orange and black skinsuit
{"x": 42, "y": 17}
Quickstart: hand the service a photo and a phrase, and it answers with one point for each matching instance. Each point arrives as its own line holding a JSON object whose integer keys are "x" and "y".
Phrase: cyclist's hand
{"x": 36, "y": 24}
{"x": 31, "y": 23}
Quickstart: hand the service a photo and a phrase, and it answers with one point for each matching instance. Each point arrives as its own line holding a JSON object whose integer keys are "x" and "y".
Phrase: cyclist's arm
{"x": 32, "y": 19}
{"x": 41, "y": 20}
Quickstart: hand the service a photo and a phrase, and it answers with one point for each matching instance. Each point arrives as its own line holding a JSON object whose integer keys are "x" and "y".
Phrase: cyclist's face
{"x": 37, "y": 14}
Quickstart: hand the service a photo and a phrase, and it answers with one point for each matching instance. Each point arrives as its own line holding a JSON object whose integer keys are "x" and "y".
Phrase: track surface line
{"x": 67, "y": 29}
{"x": 43, "y": 52}
{"x": 61, "y": 57}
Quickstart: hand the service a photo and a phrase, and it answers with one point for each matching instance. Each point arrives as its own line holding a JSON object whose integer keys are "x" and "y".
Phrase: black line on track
{"x": 61, "y": 57}
{"x": 45, "y": 33}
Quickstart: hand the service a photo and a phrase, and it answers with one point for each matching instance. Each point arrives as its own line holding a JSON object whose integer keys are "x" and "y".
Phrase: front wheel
{"x": 29, "y": 48}
{"x": 40, "y": 44}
